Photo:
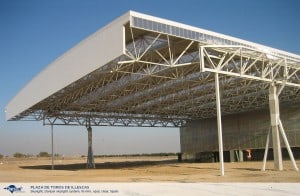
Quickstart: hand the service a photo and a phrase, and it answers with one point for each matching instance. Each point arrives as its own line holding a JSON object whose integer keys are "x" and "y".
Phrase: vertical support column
{"x": 287, "y": 145}
{"x": 52, "y": 148}
{"x": 241, "y": 156}
{"x": 266, "y": 151}
{"x": 232, "y": 157}
{"x": 219, "y": 121}
{"x": 274, "y": 114}
{"x": 90, "y": 158}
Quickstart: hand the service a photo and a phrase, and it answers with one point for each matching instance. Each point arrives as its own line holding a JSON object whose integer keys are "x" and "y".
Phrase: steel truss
{"x": 166, "y": 80}
{"x": 240, "y": 61}
{"x": 96, "y": 119}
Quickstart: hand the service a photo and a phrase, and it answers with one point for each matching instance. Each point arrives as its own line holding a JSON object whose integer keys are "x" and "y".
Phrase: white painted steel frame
{"x": 253, "y": 65}
{"x": 146, "y": 71}
{"x": 276, "y": 128}
{"x": 87, "y": 56}
{"x": 219, "y": 123}
{"x": 52, "y": 148}
{"x": 140, "y": 38}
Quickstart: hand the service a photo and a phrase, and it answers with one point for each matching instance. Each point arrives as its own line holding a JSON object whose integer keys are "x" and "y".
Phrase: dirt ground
{"x": 140, "y": 169}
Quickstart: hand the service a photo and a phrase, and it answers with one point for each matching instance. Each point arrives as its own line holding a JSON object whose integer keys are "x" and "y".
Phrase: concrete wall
{"x": 240, "y": 131}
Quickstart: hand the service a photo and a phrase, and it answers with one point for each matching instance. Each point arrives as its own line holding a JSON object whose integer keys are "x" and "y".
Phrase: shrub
{"x": 44, "y": 154}
{"x": 18, "y": 155}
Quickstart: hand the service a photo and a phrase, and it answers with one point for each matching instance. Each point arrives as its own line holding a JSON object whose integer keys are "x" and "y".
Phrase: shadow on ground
{"x": 106, "y": 165}
{"x": 248, "y": 169}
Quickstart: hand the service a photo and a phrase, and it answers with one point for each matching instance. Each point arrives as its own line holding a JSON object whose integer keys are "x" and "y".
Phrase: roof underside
{"x": 166, "y": 76}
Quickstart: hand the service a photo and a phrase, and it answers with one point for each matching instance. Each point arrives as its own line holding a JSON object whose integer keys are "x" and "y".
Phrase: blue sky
{"x": 33, "y": 33}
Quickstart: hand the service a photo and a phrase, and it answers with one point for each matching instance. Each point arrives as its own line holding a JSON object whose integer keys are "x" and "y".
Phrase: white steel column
{"x": 52, "y": 149}
{"x": 266, "y": 151}
{"x": 90, "y": 158}
{"x": 274, "y": 114}
{"x": 219, "y": 121}
{"x": 287, "y": 145}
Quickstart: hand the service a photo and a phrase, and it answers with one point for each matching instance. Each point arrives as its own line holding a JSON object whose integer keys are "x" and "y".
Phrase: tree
{"x": 44, "y": 154}
{"x": 18, "y": 155}
{"x": 1, "y": 156}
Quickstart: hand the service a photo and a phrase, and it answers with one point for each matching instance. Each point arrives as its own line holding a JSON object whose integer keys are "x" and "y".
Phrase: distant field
{"x": 139, "y": 169}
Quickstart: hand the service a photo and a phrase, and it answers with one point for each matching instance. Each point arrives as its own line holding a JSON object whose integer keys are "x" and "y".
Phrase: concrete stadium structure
{"x": 145, "y": 71}
{"x": 241, "y": 132}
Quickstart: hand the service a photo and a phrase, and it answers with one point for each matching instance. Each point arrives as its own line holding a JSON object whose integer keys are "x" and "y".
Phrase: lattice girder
{"x": 170, "y": 78}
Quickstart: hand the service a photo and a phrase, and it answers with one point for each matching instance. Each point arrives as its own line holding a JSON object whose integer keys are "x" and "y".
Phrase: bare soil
{"x": 140, "y": 169}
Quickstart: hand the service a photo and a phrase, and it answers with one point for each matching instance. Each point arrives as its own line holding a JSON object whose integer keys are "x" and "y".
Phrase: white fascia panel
{"x": 93, "y": 52}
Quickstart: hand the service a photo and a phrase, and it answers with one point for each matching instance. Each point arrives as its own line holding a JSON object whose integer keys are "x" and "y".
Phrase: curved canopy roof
{"x": 141, "y": 70}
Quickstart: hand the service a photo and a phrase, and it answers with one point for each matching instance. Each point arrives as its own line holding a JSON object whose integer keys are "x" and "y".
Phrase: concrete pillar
{"x": 241, "y": 156}
{"x": 90, "y": 158}
{"x": 274, "y": 115}
{"x": 232, "y": 157}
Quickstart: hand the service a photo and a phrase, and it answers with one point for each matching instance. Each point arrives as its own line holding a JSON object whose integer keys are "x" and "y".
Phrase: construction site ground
{"x": 141, "y": 169}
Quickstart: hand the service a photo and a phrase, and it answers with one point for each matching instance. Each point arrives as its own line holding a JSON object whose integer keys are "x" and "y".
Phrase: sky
{"x": 33, "y": 33}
